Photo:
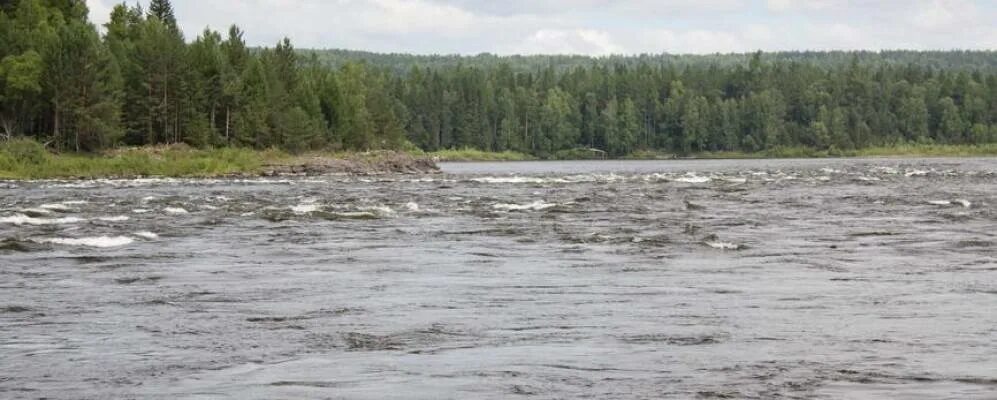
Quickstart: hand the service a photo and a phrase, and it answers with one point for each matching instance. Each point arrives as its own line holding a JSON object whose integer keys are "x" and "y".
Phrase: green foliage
{"x": 27, "y": 159}
{"x": 22, "y": 73}
{"x": 23, "y": 151}
{"x": 469, "y": 154}
{"x": 143, "y": 84}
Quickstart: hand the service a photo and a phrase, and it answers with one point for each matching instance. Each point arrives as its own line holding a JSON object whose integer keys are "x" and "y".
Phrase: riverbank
{"x": 25, "y": 159}
{"x": 905, "y": 150}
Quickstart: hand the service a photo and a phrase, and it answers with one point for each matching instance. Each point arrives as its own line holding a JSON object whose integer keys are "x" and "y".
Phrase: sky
{"x": 595, "y": 27}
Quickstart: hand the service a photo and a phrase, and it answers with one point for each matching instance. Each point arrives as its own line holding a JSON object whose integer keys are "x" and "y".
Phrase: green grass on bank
{"x": 903, "y": 150}
{"x": 468, "y": 154}
{"x": 27, "y": 159}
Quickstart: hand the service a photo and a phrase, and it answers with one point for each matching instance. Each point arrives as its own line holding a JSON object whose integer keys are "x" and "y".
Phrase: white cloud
{"x": 569, "y": 41}
{"x": 694, "y": 41}
{"x": 943, "y": 14}
{"x": 594, "y": 26}
{"x": 811, "y": 5}
{"x": 100, "y": 11}
{"x": 414, "y": 16}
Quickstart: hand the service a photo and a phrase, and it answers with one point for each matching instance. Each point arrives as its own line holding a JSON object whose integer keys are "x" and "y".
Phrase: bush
{"x": 24, "y": 151}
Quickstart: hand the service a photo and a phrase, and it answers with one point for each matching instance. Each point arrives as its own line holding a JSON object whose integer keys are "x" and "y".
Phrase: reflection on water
{"x": 678, "y": 279}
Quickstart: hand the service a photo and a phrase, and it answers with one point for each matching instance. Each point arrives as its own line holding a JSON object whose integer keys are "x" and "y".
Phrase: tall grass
{"x": 469, "y": 154}
{"x": 27, "y": 159}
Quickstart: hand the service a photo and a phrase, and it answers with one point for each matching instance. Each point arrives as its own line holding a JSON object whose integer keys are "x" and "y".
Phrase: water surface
{"x": 836, "y": 279}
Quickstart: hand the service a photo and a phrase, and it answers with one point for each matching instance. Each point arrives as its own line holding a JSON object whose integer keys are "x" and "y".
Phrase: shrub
{"x": 24, "y": 151}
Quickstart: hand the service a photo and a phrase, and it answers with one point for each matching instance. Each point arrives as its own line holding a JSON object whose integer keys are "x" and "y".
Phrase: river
{"x": 754, "y": 279}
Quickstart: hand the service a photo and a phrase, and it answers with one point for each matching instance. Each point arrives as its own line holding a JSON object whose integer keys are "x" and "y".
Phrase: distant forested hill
{"x": 961, "y": 60}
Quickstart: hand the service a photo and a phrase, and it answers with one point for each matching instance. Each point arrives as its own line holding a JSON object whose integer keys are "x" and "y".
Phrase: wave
{"x": 97, "y": 241}
{"x": 57, "y": 207}
{"x": 146, "y": 235}
{"x": 724, "y": 245}
{"x": 945, "y": 203}
{"x": 538, "y": 205}
{"x": 383, "y": 211}
{"x": 694, "y": 179}
{"x": 21, "y": 219}
{"x": 305, "y": 208}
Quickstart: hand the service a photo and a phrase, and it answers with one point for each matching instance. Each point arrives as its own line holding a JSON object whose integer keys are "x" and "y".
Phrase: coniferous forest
{"x": 140, "y": 80}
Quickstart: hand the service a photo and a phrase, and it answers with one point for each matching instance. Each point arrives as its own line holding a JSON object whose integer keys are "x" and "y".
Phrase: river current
{"x": 744, "y": 279}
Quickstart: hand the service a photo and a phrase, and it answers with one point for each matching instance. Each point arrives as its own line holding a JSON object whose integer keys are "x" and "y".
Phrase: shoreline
{"x": 28, "y": 161}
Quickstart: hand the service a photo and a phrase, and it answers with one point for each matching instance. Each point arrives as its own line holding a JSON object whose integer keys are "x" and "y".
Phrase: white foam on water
{"x": 148, "y": 199}
{"x": 412, "y": 206}
{"x": 208, "y": 207}
{"x": 44, "y": 211}
{"x": 98, "y": 241}
{"x": 146, "y": 235}
{"x": 916, "y": 172}
{"x": 305, "y": 208}
{"x": 693, "y": 178}
{"x": 140, "y": 211}
{"x": 21, "y": 219}
{"x": 356, "y": 214}
{"x": 538, "y": 205}
{"x": 379, "y": 210}
{"x": 723, "y": 245}
{"x": 60, "y": 207}
{"x": 942, "y": 203}
{"x": 76, "y": 202}
{"x": 509, "y": 179}
{"x": 175, "y": 210}
{"x": 117, "y": 218}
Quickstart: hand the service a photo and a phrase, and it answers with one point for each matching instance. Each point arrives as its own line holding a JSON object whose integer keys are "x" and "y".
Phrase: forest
{"x": 139, "y": 80}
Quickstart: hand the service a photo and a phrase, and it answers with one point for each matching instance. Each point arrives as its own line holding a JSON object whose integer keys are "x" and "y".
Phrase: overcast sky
{"x": 595, "y": 27}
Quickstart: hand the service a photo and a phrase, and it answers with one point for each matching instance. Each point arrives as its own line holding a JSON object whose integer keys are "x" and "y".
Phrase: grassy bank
{"x": 904, "y": 150}
{"x": 27, "y": 159}
{"x": 468, "y": 154}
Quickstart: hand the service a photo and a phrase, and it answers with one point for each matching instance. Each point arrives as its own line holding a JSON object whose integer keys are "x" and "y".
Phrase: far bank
{"x": 24, "y": 159}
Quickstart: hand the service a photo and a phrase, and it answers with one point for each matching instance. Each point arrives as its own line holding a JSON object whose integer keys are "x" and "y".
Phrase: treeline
{"x": 142, "y": 82}
{"x": 402, "y": 63}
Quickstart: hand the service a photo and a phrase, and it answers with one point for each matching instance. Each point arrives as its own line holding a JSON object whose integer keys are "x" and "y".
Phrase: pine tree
{"x": 163, "y": 11}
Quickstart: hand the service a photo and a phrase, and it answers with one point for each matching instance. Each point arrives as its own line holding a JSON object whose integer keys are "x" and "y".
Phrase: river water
{"x": 833, "y": 279}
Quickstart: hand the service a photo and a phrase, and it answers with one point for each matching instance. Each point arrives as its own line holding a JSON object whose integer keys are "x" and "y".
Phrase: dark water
{"x": 836, "y": 279}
